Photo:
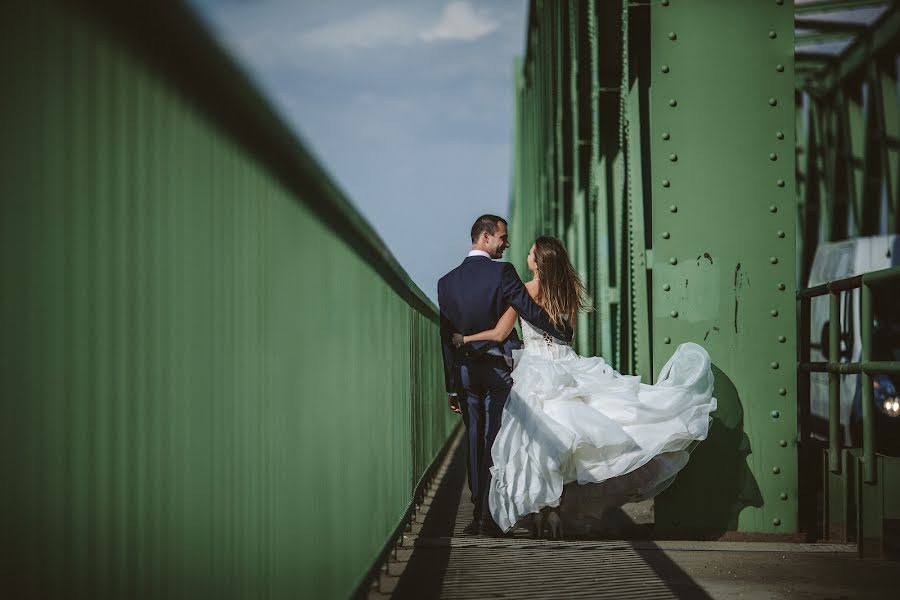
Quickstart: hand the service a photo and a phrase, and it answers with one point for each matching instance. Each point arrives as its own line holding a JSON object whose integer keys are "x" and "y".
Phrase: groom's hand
{"x": 453, "y": 401}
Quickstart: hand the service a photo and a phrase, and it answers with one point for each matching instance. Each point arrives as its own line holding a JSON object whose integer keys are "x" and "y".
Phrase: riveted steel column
{"x": 867, "y": 391}
{"x": 723, "y": 224}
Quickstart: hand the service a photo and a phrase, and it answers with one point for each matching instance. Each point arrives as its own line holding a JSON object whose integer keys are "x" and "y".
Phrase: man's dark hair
{"x": 486, "y": 223}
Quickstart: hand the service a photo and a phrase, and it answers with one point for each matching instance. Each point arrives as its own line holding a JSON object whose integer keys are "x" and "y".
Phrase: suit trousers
{"x": 486, "y": 384}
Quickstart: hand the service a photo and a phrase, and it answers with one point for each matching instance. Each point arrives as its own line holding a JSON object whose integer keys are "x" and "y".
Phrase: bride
{"x": 571, "y": 418}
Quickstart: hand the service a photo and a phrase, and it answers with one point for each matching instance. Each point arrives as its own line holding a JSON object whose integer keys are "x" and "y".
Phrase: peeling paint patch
{"x": 738, "y": 282}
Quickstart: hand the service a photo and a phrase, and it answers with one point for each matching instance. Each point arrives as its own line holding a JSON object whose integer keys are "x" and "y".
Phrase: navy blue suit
{"x": 472, "y": 298}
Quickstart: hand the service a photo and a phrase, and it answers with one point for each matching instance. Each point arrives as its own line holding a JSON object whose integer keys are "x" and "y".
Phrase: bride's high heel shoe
{"x": 555, "y": 524}
{"x": 537, "y": 525}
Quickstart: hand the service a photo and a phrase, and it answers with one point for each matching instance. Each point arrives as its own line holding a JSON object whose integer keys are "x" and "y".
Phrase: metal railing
{"x": 865, "y": 367}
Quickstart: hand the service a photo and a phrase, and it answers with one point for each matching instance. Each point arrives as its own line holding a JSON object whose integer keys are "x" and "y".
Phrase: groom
{"x": 472, "y": 297}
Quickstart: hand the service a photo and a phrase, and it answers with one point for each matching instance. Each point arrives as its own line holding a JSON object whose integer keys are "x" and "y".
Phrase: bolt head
{"x": 772, "y": 35}
{"x": 781, "y": 287}
{"x": 776, "y": 521}
{"x": 779, "y": 68}
{"x": 773, "y": 260}
{"x": 773, "y": 312}
{"x": 774, "y": 364}
{"x": 666, "y": 135}
{"x": 673, "y": 157}
{"x": 776, "y": 470}
{"x": 782, "y": 443}
{"x": 674, "y": 314}
{"x": 780, "y": 183}
{"x": 666, "y": 235}
{"x": 783, "y": 495}
{"x": 775, "y": 414}
{"x": 673, "y": 261}
{"x": 666, "y": 183}
{"x": 673, "y": 102}
{"x": 782, "y": 339}
{"x": 782, "y": 392}
{"x": 667, "y": 340}
{"x": 666, "y": 287}
{"x": 773, "y": 156}
{"x": 665, "y": 2}
{"x": 773, "y": 208}
{"x": 673, "y": 208}
{"x": 773, "y": 102}
{"x": 664, "y": 68}
{"x": 672, "y": 36}
{"x": 780, "y": 233}
{"x": 779, "y": 2}
{"x": 779, "y": 135}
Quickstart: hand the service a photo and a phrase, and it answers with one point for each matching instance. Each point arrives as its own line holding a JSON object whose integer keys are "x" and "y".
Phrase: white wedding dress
{"x": 572, "y": 418}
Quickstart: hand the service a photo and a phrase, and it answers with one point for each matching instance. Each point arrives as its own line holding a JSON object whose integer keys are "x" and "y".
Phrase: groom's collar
{"x": 478, "y": 253}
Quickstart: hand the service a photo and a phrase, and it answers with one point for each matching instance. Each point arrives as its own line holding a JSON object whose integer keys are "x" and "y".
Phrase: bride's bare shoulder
{"x": 533, "y": 288}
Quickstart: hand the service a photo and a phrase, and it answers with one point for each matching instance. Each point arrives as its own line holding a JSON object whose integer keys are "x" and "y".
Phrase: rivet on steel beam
{"x": 772, "y": 35}
{"x": 780, "y": 183}
{"x": 781, "y": 287}
{"x": 773, "y": 260}
{"x": 776, "y": 470}
{"x": 775, "y": 414}
{"x": 780, "y": 233}
{"x": 782, "y": 443}
{"x": 779, "y": 2}
{"x": 782, "y": 392}
{"x": 665, "y": 68}
{"x": 673, "y": 157}
{"x": 667, "y": 340}
{"x": 773, "y": 208}
{"x": 773, "y": 156}
{"x": 673, "y": 208}
{"x": 666, "y": 136}
{"x": 673, "y": 102}
{"x": 674, "y": 314}
{"x": 666, "y": 183}
{"x": 782, "y": 339}
{"x": 773, "y": 312}
{"x": 783, "y": 495}
{"x": 666, "y": 287}
{"x": 672, "y": 36}
{"x": 779, "y": 135}
{"x": 773, "y": 102}
{"x": 665, "y": 2}
{"x": 666, "y": 235}
{"x": 776, "y": 521}
{"x": 779, "y": 68}
{"x": 774, "y": 364}
{"x": 673, "y": 261}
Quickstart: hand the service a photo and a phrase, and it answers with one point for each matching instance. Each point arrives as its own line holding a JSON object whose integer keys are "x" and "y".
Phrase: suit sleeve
{"x": 515, "y": 294}
{"x": 451, "y": 369}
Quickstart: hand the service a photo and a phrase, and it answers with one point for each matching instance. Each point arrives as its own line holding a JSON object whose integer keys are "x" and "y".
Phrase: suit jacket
{"x": 472, "y": 298}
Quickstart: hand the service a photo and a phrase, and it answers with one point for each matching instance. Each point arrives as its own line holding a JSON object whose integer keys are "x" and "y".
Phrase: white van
{"x": 839, "y": 260}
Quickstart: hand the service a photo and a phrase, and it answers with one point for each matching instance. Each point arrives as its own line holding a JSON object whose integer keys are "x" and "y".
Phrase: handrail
{"x": 207, "y": 73}
{"x": 865, "y": 367}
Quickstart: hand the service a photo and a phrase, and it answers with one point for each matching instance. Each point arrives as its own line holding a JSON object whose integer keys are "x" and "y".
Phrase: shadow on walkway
{"x": 448, "y": 564}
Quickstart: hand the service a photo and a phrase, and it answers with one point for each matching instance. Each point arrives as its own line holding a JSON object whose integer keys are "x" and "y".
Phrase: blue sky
{"x": 407, "y": 103}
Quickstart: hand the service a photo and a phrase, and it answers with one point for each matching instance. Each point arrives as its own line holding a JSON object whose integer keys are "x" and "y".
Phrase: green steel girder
{"x": 881, "y": 36}
{"x": 723, "y": 224}
{"x": 823, "y": 6}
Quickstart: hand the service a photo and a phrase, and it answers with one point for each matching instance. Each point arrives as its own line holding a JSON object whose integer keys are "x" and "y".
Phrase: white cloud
{"x": 460, "y": 21}
{"x": 381, "y": 27}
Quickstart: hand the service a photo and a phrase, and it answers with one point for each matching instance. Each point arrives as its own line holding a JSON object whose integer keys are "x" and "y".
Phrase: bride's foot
{"x": 555, "y": 524}
{"x": 537, "y": 525}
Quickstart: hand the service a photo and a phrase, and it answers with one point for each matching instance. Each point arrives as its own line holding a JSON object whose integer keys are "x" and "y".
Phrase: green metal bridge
{"x": 195, "y": 319}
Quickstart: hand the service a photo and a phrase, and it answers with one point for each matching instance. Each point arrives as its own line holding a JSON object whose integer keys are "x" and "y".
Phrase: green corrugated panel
{"x": 731, "y": 239}
{"x": 216, "y": 383}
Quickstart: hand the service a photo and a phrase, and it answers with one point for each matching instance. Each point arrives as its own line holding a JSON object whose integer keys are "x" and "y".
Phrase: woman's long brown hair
{"x": 561, "y": 289}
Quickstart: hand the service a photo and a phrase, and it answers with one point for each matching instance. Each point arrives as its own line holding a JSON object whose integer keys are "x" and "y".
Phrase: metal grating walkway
{"x": 438, "y": 561}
